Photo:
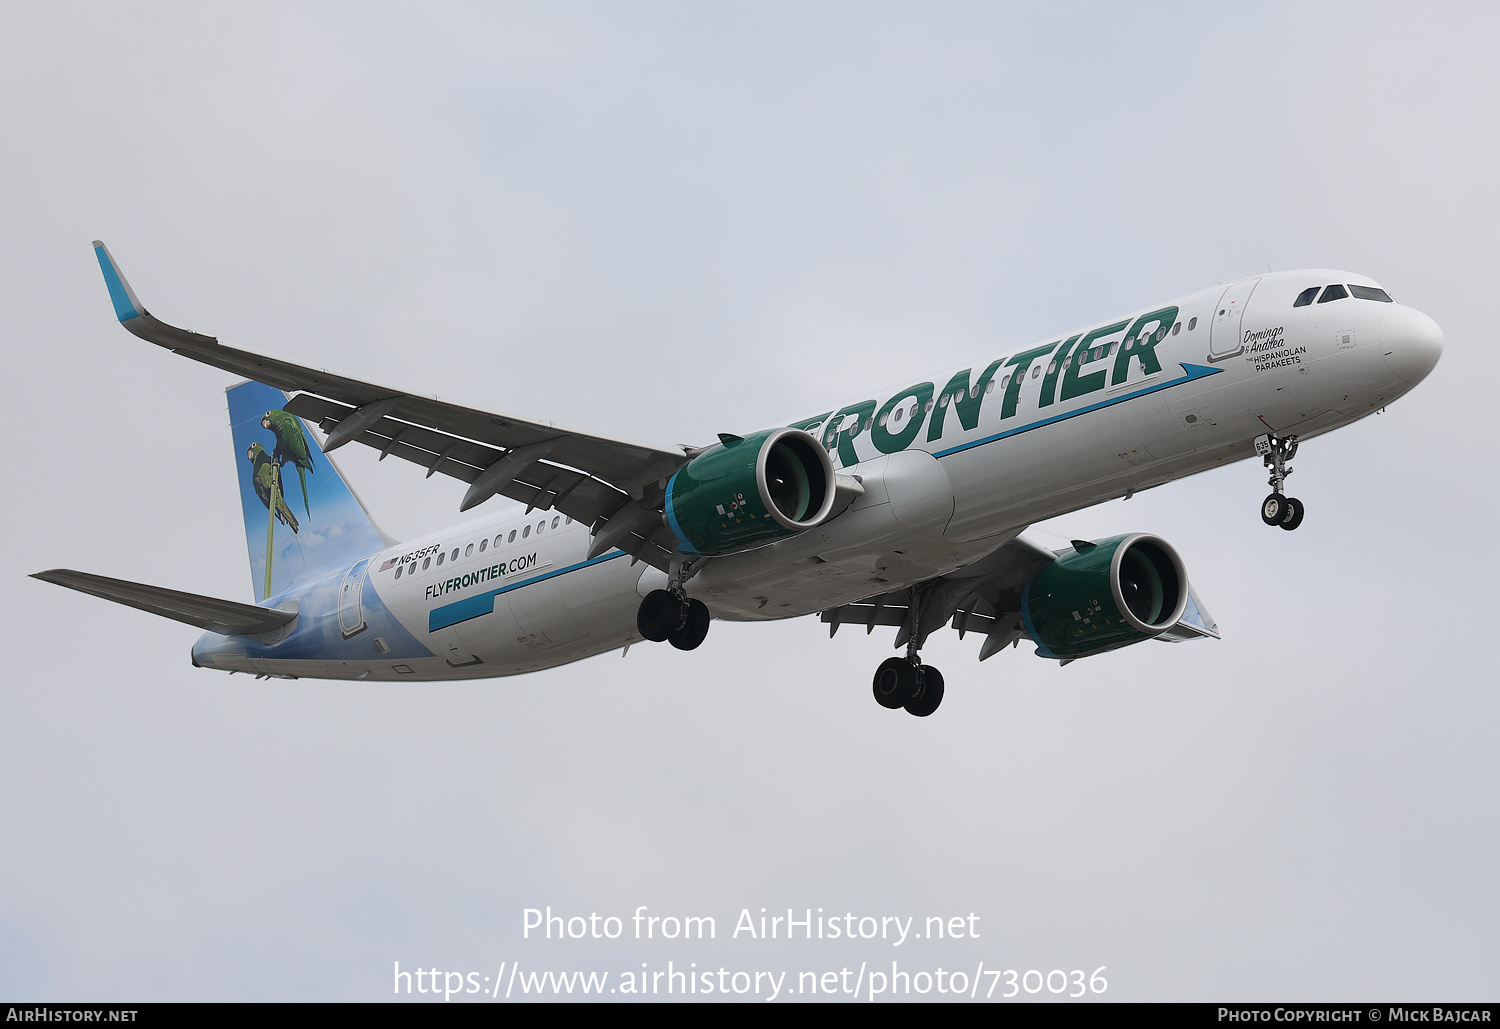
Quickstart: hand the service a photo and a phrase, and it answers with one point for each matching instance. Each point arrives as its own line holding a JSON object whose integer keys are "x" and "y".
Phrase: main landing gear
{"x": 1279, "y": 509}
{"x": 671, "y": 615}
{"x": 905, "y": 682}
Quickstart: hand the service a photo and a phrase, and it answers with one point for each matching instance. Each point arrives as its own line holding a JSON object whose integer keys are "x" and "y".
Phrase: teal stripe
{"x": 1041, "y": 648}
{"x": 1193, "y": 372}
{"x": 484, "y": 603}
{"x": 683, "y": 544}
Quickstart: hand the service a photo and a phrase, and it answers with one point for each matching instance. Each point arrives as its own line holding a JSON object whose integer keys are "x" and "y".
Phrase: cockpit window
{"x": 1371, "y": 293}
{"x": 1306, "y": 296}
{"x": 1334, "y": 292}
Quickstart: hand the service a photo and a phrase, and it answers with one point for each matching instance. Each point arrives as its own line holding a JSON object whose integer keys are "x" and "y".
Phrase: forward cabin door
{"x": 1225, "y": 341}
{"x": 351, "y": 613}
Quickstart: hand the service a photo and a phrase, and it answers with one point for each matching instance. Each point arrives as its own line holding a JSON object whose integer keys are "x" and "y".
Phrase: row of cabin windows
{"x": 484, "y": 544}
{"x": 1338, "y": 291}
{"x": 1098, "y": 353}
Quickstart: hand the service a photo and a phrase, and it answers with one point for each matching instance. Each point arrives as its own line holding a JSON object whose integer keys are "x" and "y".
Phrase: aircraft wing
{"x": 222, "y": 616}
{"x": 985, "y": 597}
{"x": 589, "y": 478}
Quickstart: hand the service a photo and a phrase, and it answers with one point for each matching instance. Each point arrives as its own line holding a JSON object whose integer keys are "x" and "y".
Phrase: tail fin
{"x": 270, "y": 445}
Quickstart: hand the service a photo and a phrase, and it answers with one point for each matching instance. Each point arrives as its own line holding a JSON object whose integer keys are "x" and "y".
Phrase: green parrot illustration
{"x": 266, "y": 474}
{"x": 291, "y": 445}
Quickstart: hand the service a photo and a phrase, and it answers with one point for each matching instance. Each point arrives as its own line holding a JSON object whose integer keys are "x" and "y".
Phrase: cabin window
{"x": 453, "y": 556}
{"x": 499, "y": 538}
{"x": 469, "y": 550}
{"x": 398, "y": 570}
{"x": 440, "y": 558}
{"x": 568, "y": 520}
{"x": 1306, "y": 296}
{"x": 483, "y": 544}
{"x": 915, "y": 404}
{"x": 1371, "y": 293}
{"x": 512, "y": 537}
{"x": 1176, "y": 328}
{"x": 426, "y": 561}
{"x": 1334, "y": 292}
{"x": 1161, "y": 334}
{"x": 555, "y": 520}
{"x": 930, "y": 405}
{"x": 1192, "y": 323}
{"x": 1036, "y": 370}
{"x": 881, "y": 420}
{"x": 1005, "y": 382}
{"x": 943, "y": 401}
{"x": 524, "y": 532}
{"x": 989, "y": 387}
{"x": 869, "y": 424}
{"x": 899, "y": 414}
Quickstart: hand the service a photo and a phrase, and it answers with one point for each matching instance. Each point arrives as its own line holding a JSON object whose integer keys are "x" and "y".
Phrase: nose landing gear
{"x": 1279, "y": 509}
{"x": 905, "y": 682}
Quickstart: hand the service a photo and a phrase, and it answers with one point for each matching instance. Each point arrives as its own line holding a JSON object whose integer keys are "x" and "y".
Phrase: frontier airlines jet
{"x": 902, "y": 507}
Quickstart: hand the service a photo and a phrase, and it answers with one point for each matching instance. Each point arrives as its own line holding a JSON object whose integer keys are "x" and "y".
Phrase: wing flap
{"x": 222, "y": 616}
{"x": 542, "y": 484}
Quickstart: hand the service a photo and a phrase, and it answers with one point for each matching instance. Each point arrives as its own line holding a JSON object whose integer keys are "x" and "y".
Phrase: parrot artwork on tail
{"x": 266, "y": 475}
{"x": 291, "y": 445}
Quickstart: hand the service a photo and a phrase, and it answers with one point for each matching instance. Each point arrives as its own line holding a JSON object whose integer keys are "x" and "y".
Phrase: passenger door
{"x": 1225, "y": 341}
{"x": 351, "y": 613}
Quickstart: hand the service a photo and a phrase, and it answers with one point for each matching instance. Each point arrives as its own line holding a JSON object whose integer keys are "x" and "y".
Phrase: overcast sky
{"x": 661, "y": 221}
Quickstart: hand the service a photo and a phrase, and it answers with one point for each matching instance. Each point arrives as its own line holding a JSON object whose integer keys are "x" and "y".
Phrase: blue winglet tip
{"x": 127, "y": 307}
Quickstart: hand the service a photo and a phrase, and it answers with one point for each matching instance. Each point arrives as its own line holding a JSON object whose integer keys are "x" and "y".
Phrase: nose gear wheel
{"x": 1279, "y": 509}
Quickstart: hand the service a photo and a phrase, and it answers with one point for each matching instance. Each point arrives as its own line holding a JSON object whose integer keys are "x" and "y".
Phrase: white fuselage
{"x": 1131, "y": 405}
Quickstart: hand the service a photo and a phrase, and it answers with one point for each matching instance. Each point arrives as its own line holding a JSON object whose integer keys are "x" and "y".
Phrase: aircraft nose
{"x": 1412, "y": 343}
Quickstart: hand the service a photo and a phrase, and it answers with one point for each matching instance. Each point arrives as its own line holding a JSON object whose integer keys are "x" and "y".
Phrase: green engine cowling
{"x": 1103, "y": 596}
{"x": 746, "y": 492}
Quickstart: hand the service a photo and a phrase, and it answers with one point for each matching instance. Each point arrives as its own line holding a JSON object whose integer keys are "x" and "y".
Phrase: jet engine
{"x": 1105, "y": 595}
{"x": 749, "y": 491}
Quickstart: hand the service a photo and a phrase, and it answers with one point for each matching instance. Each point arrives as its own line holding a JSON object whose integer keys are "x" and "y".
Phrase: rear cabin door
{"x": 351, "y": 614}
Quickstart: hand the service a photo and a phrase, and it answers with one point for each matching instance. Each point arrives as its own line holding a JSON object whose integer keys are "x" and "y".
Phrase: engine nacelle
{"x": 1103, "y": 596}
{"x": 762, "y": 488}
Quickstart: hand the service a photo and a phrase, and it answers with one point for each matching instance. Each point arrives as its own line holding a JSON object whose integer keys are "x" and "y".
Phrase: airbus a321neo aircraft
{"x": 901, "y": 507}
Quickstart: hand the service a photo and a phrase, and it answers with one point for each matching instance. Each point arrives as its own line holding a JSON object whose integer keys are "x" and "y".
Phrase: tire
{"x": 658, "y": 615}
{"x": 929, "y": 694}
{"x": 895, "y": 681}
{"x": 1294, "y": 513}
{"x": 1273, "y": 509}
{"x": 694, "y": 628}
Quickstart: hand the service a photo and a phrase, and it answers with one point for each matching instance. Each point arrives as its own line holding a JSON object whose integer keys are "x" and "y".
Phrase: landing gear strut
{"x": 905, "y": 682}
{"x": 671, "y": 615}
{"x": 1279, "y": 509}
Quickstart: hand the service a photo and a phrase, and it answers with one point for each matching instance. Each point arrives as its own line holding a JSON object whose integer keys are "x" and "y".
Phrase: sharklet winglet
{"x": 127, "y": 307}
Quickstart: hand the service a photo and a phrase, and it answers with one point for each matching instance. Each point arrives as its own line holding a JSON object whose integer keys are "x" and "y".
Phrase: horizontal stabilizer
{"x": 222, "y": 616}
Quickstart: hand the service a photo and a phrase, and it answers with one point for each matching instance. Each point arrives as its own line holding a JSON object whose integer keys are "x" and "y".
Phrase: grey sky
{"x": 662, "y": 221}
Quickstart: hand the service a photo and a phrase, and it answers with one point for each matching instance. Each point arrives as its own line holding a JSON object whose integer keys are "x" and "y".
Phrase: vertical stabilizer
{"x": 301, "y": 519}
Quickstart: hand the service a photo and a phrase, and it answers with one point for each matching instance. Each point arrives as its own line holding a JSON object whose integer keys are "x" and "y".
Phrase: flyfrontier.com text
{"x": 807, "y": 924}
